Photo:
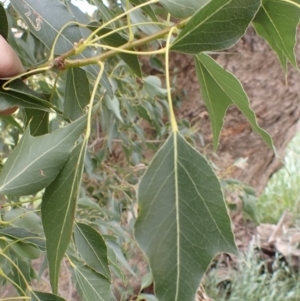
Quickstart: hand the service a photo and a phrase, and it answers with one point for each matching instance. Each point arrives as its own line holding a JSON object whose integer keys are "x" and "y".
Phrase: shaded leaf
{"x": 217, "y": 25}
{"x": 182, "y": 8}
{"x": 3, "y": 22}
{"x": 113, "y": 105}
{"x": 24, "y": 236}
{"x": 35, "y": 161}
{"x": 40, "y": 296}
{"x": 24, "y": 250}
{"x": 105, "y": 13}
{"x": 148, "y": 10}
{"x": 45, "y": 19}
{"x": 58, "y": 209}
{"x": 220, "y": 89}
{"x": 92, "y": 248}
{"x": 38, "y": 122}
{"x": 277, "y": 22}
{"x": 183, "y": 221}
{"x": 77, "y": 93}
{"x": 26, "y": 271}
{"x": 93, "y": 286}
{"x": 21, "y": 98}
{"x": 116, "y": 40}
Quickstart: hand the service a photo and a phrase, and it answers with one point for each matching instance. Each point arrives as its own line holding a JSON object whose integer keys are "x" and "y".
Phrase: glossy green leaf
{"x": 24, "y": 236}
{"x": 92, "y": 248}
{"x": 217, "y": 25}
{"x": 182, "y": 8}
{"x": 77, "y": 93}
{"x": 183, "y": 221}
{"x": 3, "y": 22}
{"x": 116, "y": 40}
{"x": 38, "y": 121}
{"x": 58, "y": 209}
{"x": 220, "y": 89}
{"x": 93, "y": 286}
{"x": 36, "y": 161}
{"x": 40, "y": 296}
{"x": 45, "y": 19}
{"x": 277, "y": 23}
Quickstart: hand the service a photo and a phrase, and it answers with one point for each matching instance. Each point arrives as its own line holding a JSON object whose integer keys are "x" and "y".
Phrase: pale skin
{"x": 10, "y": 65}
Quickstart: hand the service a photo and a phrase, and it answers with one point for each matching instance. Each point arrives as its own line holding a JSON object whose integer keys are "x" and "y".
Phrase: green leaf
{"x": 26, "y": 271}
{"x": 77, "y": 93}
{"x": 36, "y": 161}
{"x": 24, "y": 236}
{"x": 116, "y": 40}
{"x": 277, "y": 23}
{"x": 220, "y": 89}
{"x": 93, "y": 286}
{"x": 183, "y": 221}
{"x": 182, "y": 8}
{"x": 45, "y": 19}
{"x": 22, "y": 98}
{"x": 3, "y": 23}
{"x": 105, "y": 13}
{"x": 38, "y": 122}
{"x": 58, "y": 209}
{"x": 217, "y": 25}
{"x": 148, "y": 10}
{"x": 113, "y": 105}
{"x": 25, "y": 251}
{"x": 39, "y": 296}
{"x": 92, "y": 248}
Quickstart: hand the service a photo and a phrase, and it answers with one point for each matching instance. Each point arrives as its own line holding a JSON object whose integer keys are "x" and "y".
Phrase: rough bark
{"x": 274, "y": 99}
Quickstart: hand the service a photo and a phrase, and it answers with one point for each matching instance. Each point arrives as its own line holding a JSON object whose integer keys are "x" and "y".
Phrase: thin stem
{"x": 172, "y": 115}
{"x": 130, "y": 33}
{"x": 103, "y": 46}
{"x": 119, "y": 17}
{"x": 19, "y": 271}
{"x": 123, "y": 28}
{"x": 34, "y": 71}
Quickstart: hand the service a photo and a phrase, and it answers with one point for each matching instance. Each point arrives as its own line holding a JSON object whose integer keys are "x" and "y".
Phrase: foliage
{"x": 76, "y": 149}
{"x": 254, "y": 280}
{"x": 282, "y": 191}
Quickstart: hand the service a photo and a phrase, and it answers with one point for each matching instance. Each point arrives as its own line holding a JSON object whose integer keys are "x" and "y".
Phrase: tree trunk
{"x": 274, "y": 100}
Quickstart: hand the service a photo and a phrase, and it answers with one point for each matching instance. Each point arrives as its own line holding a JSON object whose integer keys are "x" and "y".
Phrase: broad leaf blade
{"x": 36, "y": 161}
{"x": 58, "y": 209}
{"x": 182, "y": 8}
{"x": 77, "y": 93}
{"x": 217, "y": 25}
{"x": 93, "y": 286}
{"x": 92, "y": 248}
{"x": 277, "y": 22}
{"x": 38, "y": 121}
{"x": 220, "y": 89}
{"x": 40, "y": 296}
{"x": 180, "y": 202}
{"x": 3, "y": 23}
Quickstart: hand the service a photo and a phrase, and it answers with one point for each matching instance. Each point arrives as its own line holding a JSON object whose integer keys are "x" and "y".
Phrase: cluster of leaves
{"x": 83, "y": 101}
